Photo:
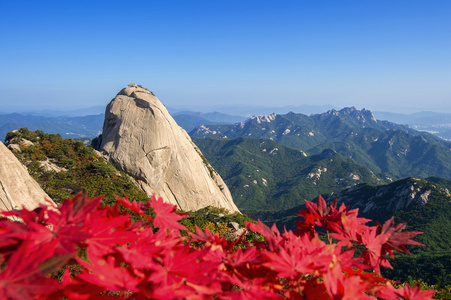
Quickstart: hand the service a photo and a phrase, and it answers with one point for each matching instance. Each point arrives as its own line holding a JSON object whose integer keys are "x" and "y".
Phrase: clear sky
{"x": 380, "y": 55}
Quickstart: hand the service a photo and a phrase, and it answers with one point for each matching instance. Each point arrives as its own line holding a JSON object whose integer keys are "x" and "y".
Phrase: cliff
{"x": 17, "y": 188}
{"x": 142, "y": 139}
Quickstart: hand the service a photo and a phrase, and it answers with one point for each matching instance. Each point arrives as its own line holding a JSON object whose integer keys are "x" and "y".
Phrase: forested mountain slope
{"x": 64, "y": 167}
{"x": 426, "y": 207}
{"x": 265, "y": 175}
{"x": 379, "y": 145}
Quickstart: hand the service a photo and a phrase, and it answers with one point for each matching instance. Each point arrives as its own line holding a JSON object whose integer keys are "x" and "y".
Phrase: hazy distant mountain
{"x": 94, "y": 110}
{"x": 188, "y": 120}
{"x": 381, "y": 146}
{"x": 82, "y": 124}
{"x": 432, "y": 122}
{"x": 251, "y": 110}
{"x": 70, "y": 127}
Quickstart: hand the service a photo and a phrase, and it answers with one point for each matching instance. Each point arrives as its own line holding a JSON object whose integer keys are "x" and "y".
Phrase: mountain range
{"x": 382, "y": 146}
{"x": 81, "y": 127}
{"x": 436, "y": 123}
{"x": 68, "y": 124}
{"x": 72, "y": 125}
{"x": 189, "y": 120}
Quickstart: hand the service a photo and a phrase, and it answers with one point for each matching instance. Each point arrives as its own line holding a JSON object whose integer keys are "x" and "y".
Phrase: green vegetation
{"x": 381, "y": 146}
{"x": 266, "y": 176}
{"x": 64, "y": 167}
{"x": 442, "y": 181}
{"x": 431, "y": 263}
{"x": 218, "y": 220}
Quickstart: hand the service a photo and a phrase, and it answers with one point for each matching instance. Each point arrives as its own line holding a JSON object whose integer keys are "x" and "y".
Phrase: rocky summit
{"x": 142, "y": 139}
{"x": 17, "y": 188}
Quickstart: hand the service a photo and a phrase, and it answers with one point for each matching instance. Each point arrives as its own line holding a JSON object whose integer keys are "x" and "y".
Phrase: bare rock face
{"x": 17, "y": 188}
{"x": 142, "y": 139}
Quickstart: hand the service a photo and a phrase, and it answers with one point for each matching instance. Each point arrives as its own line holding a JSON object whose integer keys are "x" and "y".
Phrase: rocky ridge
{"x": 382, "y": 146}
{"x": 388, "y": 199}
{"x": 142, "y": 139}
{"x": 17, "y": 188}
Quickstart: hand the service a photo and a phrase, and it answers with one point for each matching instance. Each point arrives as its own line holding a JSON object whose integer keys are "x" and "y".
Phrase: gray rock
{"x": 142, "y": 139}
{"x": 234, "y": 226}
{"x": 17, "y": 188}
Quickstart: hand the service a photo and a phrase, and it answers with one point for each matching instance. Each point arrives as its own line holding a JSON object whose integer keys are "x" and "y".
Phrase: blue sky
{"x": 379, "y": 55}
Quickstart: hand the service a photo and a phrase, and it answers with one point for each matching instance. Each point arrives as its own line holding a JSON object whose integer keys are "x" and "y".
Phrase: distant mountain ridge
{"x": 70, "y": 127}
{"x": 432, "y": 122}
{"x": 381, "y": 146}
{"x": 189, "y": 120}
{"x": 318, "y": 127}
{"x": 79, "y": 112}
{"x": 73, "y": 125}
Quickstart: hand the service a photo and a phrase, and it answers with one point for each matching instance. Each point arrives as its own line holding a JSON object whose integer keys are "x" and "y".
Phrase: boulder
{"x": 142, "y": 139}
{"x": 17, "y": 188}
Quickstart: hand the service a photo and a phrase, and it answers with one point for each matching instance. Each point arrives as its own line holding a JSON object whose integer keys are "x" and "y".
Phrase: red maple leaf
{"x": 398, "y": 240}
{"x": 373, "y": 242}
{"x": 326, "y": 216}
{"x": 138, "y": 208}
{"x": 148, "y": 248}
{"x": 272, "y": 235}
{"x": 107, "y": 233}
{"x": 166, "y": 217}
{"x": 344, "y": 288}
{"x": 145, "y": 262}
{"x": 312, "y": 289}
{"x": 350, "y": 230}
{"x": 388, "y": 292}
{"x": 252, "y": 289}
{"x": 24, "y": 276}
{"x": 108, "y": 273}
{"x": 70, "y": 223}
{"x": 79, "y": 289}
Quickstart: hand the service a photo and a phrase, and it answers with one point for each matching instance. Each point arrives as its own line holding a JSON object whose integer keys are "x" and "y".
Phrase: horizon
{"x": 244, "y": 111}
{"x": 382, "y": 56}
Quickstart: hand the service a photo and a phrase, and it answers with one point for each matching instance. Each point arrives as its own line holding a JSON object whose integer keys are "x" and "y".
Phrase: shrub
{"x": 151, "y": 258}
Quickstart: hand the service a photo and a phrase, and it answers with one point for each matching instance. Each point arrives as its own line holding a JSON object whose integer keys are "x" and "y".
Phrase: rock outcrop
{"x": 17, "y": 188}
{"x": 142, "y": 139}
{"x": 383, "y": 201}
